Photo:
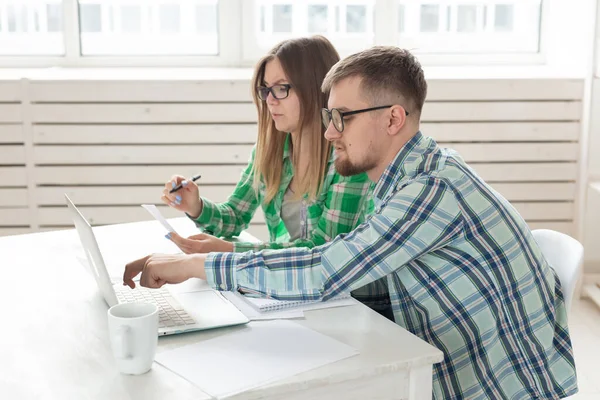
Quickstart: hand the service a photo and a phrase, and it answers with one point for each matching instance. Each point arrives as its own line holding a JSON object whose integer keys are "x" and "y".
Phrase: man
{"x": 463, "y": 270}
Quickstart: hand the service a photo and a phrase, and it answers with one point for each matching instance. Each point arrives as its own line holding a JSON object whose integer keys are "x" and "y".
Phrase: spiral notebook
{"x": 268, "y": 305}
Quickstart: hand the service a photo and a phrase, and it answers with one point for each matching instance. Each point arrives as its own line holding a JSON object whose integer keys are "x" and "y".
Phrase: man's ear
{"x": 397, "y": 120}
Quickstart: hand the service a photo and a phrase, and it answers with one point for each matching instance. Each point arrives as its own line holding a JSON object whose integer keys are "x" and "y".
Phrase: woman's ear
{"x": 397, "y": 120}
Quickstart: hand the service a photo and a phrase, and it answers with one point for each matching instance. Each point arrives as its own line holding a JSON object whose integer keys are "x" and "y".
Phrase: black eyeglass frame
{"x": 328, "y": 113}
{"x": 269, "y": 89}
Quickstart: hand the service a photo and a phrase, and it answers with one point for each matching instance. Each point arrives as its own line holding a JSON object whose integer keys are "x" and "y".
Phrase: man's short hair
{"x": 389, "y": 74}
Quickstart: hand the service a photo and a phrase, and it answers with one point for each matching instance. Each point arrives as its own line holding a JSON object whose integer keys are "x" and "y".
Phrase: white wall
{"x": 591, "y": 219}
{"x": 111, "y": 144}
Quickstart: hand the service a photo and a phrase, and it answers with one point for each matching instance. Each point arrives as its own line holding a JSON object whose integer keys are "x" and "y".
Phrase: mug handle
{"x": 122, "y": 343}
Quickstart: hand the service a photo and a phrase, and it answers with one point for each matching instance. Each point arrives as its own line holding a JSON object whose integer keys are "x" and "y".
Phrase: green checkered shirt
{"x": 341, "y": 205}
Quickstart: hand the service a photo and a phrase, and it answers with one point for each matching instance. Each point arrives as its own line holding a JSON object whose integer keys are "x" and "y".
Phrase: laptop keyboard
{"x": 170, "y": 312}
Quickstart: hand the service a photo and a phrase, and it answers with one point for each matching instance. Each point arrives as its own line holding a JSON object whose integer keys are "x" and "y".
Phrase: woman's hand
{"x": 186, "y": 199}
{"x": 201, "y": 243}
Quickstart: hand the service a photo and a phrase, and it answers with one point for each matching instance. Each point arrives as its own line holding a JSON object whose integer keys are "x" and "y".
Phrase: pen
{"x": 176, "y": 188}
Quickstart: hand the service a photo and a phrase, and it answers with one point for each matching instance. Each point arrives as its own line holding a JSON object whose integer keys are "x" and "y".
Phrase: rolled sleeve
{"x": 221, "y": 271}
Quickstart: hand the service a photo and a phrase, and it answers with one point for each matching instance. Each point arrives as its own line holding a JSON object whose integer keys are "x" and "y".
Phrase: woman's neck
{"x": 300, "y": 148}
{"x": 300, "y": 159}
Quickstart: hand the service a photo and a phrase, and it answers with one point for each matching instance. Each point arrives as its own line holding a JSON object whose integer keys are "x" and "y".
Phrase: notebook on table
{"x": 264, "y": 305}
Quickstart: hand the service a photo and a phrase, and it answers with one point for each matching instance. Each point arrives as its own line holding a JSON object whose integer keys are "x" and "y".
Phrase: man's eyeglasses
{"x": 279, "y": 92}
{"x": 337, "y": 117}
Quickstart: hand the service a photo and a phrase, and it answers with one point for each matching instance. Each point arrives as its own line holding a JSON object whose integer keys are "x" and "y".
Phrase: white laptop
{"x": 179, "y": 311}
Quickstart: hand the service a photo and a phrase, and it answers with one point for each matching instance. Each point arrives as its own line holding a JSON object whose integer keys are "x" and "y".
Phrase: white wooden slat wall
{"x": 111, "y": 145}
{"x": 14, "y": 213}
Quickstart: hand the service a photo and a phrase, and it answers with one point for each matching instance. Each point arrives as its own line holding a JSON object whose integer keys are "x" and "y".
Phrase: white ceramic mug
{"x": 133, "y": 331}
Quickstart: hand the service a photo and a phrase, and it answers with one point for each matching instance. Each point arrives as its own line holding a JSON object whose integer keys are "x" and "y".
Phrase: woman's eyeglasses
{"x": 337, "y": 117}
{"x": 279, "y": 92}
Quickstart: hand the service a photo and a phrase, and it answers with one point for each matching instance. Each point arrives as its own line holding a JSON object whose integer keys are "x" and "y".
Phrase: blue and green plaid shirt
{"x": 463, "y": 270}
{"x": 342, "y": 204}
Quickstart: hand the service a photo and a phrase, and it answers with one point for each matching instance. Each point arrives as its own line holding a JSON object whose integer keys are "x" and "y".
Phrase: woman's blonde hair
{"x": 305, "y": 62}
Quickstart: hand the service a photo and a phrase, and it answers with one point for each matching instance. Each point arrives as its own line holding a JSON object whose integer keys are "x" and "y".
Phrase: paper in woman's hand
{"x": 155, "y": 212}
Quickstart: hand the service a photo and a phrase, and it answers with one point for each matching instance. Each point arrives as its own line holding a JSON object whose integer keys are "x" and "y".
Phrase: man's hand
{"x": 201, "y": 243}
{"x": 158, "y": 269}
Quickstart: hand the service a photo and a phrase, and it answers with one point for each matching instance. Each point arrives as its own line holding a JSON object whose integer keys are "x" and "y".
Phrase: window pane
{"x": 401, "y": 23}
{"x": 12, "y": 18}
{"x": 347, "y": 24}
{"x": 36, "y": 20}
{"x": 467, "y": 19}
{"x": 282, "y": 18}
{"x": 24, "y": 20}
{"x": 469, "y": 26}
{"x": 503, "y": 18}
{"x": 356, "y": 19}
{"x": 430, "y": 17}
{"x": 141, "y": 27}
{"x": 169, "y": 18}
{"x": 55, "y": 14}
{"x": 131, "y": 19}
{"x": 263, "y": 17}
{"x": 317, "y": 18}
{"x": 31, "y": 28}
{"x": 90, "y": 18}
{"x": 206, "y": 18}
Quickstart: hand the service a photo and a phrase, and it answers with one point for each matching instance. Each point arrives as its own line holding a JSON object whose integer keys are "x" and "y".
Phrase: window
{"x": 31, "y": 28}
{"x": 238, "y": 32}
{"x": 462, "y": 26}
{"x": 424, "y": 26}
{"x": 348, "y": 24}
{"x": 143, "y": 28}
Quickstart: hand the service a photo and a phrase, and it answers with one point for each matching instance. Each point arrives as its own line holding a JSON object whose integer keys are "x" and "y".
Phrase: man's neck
{"x": 388, "y": 156}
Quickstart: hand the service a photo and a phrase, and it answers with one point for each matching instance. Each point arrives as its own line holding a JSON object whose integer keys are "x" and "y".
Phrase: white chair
{"x": 565, "y": 255}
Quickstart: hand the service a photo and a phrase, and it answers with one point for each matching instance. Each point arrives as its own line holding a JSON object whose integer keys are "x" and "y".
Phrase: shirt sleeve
{"x": 420, "y": 218}
{"x": 231, "y": 217}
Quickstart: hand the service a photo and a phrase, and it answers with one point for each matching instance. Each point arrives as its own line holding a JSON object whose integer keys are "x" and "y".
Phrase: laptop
{"x": 179, "y": 310}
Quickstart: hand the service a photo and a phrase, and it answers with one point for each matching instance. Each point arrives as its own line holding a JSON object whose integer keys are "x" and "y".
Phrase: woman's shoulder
{"x": 358, "y": 178}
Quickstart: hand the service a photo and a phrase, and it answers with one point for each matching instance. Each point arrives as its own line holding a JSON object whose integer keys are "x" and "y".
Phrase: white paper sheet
{"x": 155, "y": 212}
{"x": 261, "y": 353}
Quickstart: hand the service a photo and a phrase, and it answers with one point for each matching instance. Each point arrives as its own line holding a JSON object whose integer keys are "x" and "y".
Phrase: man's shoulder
{"x": 424, "y": 188}
{"x": 425, "y": 181}
{"x": 424, "y": 198}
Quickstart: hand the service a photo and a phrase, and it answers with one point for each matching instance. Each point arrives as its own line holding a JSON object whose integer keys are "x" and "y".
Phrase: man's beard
{"x": 346, "y": 168}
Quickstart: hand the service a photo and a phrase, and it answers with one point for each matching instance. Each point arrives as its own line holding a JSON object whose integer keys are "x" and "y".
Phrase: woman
{"x": 291, "y": 173}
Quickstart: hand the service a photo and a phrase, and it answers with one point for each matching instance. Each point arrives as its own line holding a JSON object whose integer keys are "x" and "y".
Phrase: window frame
{"x": 386, "y": 19}
{"x": 229, "y": 46}
{"x": 252, "y": 50}
{"x": 238, "y": 49}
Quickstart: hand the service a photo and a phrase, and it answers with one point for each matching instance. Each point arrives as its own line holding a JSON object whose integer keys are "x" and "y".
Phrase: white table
{"x": 54, "y": 342}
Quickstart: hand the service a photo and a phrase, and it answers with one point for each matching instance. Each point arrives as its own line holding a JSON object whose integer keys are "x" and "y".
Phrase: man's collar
{"x": 407, "y": 163}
